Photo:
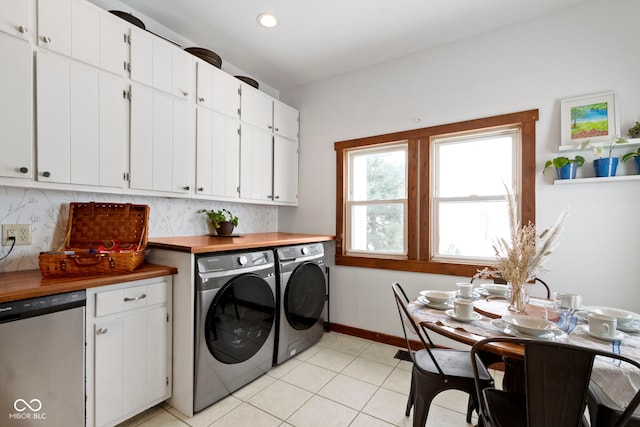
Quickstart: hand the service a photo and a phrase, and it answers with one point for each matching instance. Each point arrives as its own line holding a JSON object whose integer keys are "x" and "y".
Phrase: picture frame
{"x": 588, "y": 118}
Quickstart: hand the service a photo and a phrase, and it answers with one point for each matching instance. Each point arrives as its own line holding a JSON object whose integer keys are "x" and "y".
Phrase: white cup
{"x": 463, "y": 308}
{"x": 602, "y": 326}
{"x": 465, "y": 289}
{"x": 566, "y": 300}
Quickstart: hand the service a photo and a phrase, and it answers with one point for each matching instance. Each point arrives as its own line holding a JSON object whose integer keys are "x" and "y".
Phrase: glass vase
{"x": 518, "y": 297}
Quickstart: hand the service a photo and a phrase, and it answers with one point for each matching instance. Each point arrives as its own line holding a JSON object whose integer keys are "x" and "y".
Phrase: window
{"x": 377, "y": 200}
{"x": 432, "y": 199}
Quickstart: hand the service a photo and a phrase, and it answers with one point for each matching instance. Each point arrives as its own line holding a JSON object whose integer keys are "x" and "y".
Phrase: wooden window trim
{"x": 418, "y": 200}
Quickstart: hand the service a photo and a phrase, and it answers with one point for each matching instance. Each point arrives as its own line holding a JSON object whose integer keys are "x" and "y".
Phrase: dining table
{"x": 618, "y": 381}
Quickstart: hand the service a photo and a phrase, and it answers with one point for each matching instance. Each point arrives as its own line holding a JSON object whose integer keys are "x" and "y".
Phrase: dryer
{"x": 235, "y": 322}
{"x": 302, "y": 296}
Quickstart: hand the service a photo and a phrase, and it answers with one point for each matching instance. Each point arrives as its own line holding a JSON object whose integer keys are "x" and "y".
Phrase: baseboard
{"x": 375, "y": 336}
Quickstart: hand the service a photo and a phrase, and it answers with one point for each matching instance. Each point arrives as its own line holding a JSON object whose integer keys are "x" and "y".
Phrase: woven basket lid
{"x": 206, "y": 55}
{"x": 248, "y": 80}
{"x": 129, "y": 18}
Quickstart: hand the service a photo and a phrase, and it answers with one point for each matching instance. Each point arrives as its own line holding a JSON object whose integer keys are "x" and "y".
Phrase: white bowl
{"x": 494, "y": 288}
{"x": 534, "y": 326}
{"x": 438, "y": 297}
{"x": 624, "y": 317}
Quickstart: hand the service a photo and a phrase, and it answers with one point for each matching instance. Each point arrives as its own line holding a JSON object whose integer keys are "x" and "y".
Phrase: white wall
{"x": 587, "y": 49}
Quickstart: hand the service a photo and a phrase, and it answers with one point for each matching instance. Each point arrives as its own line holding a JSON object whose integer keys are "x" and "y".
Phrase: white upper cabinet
{"x": 285, "y": 120}
{"x": 16, "y": 108}
{"x": 256, "y": 108}
{"x": 217, "y": 90}
{"x": 141, "y": 66}
{"x": 114, "y": 48}
{"x": 16, "y": 18}
{"x": 85, "y": 32}
{"x": 285, "y": 170}
{"x": 217, "y": 154}
{"x": 54, "y": 25}
{"x": 256, "y": 167}
{"x": 182, "y": 67}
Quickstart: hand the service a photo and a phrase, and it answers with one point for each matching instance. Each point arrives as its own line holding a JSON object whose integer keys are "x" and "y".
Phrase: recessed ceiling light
{"x": 267, "y": 20}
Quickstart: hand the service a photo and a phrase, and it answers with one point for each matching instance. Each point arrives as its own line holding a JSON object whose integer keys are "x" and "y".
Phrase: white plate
{"x": 624, "y": 316}
{"x": 495, "y": 288}
{"x": 424, "y": 301}
{"x": 551, "y": 335}
{"x": 439, "y": 297}
{"x": 631, "y": 327}
{"x": 529, "y": 325}
{"x": 452, "y": 314}
{"x": 619, "y": 336}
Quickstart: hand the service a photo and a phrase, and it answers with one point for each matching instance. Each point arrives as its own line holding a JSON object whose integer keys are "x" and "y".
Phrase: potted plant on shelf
{"x": 565, "y": 167}
{"x": 634, "y": 131}
{"x": 222, "y": 220}
{"x": 604, "y": 166}
{"x": 633, "y": 155}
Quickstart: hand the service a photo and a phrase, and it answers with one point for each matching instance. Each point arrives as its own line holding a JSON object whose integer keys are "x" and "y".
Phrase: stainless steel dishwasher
{"x": 42, "y": 361}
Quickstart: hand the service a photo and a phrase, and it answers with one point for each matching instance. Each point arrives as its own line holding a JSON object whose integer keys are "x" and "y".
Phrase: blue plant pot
{"x": 638, "y": 164}
{"x": 606, "y": 166}
{"x": 568, "y": 171}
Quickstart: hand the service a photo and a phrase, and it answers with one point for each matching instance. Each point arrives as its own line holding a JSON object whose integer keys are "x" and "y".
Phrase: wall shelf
{"x": 597, "y": 179}
{"x": 632, "y": 142}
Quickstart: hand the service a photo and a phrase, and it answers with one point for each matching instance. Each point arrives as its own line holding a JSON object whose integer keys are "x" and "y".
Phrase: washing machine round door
{"x": 240, "y": 319}
{"x": 304, "y": 296}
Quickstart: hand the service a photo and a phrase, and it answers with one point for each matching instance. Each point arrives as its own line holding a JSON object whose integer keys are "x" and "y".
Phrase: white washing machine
{"x": 302, "y": 295}
{"x": 235, "y": 323}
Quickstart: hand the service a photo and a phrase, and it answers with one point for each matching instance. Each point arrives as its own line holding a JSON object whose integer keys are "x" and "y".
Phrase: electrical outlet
{"x": 21, "y": 233}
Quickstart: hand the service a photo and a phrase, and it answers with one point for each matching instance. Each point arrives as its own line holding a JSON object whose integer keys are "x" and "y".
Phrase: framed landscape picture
{"x": 589, "y": 117}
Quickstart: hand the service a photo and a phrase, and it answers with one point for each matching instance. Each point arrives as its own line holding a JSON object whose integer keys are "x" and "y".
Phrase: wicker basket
{"x": 95, "y": 225}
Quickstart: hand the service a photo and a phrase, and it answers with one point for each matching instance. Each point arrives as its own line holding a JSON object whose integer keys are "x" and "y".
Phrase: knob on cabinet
{"x": 46, "y": 174}
{"x": 24, "y": 169}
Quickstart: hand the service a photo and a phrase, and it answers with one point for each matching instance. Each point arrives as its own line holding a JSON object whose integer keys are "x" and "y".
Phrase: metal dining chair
{"x": 557, "y": 377}
{"x": 435, "y": 369}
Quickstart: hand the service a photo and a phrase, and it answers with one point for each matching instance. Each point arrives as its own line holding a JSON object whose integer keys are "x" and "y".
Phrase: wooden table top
{"x": 209, "y": 243}
{"x": 17, "y": 285}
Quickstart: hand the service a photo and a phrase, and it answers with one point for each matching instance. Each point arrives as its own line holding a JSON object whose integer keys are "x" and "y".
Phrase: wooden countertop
{"x": 17, "y": 285}
{"x": 203, "y": 244}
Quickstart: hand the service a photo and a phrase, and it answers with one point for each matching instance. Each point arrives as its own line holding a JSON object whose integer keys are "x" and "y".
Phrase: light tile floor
{"x": 341, "y": 381}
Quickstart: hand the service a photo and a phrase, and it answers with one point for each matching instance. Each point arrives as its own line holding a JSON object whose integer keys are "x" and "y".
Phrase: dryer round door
{"x": 240, "y": 319}
{"x": 304, "y": 296}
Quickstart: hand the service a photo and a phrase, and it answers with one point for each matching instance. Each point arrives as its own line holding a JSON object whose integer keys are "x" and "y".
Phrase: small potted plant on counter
{"x": 604, "y": 166}
{"x": 633, "y": 155}
{"x": 565, "y": 167}
{"x": 222, "y": 220}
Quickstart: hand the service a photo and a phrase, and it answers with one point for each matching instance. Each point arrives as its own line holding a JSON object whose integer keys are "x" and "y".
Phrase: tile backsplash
{"x": 47, "y": 212}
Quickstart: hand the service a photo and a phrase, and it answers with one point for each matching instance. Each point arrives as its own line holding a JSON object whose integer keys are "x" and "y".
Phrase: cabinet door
{"x": 182, "y": 73}
{"x": 53, "y": 119}
{"x": 114, "y": 49}
{"x": 141, "y": 65}
{"x": 54, "y": 25}
{"x": 113, "y": 130}
{"x": 182, "y": 145}
{"x": 16, "y": 108}
{"x": 141, "y": 148}
{"x": 84, "y": 143}
{"x": 256, "y": 163}
{"x": 256, "y": 107}
{"x": 285, "y": 170}
{"x": 108, "y": 370}
{"x": 226, "y": 93}
{"x": 158, "y": 347}
{"x": 85, "y": 32}
{"x": 218, "y": 154}
{"x": 15, "y": 18}
{"x": 162, "y": 69}
{"x": 285, "y": 120}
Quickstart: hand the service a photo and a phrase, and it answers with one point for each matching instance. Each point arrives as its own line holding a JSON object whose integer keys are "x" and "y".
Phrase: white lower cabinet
{"x": 128, "y": 349}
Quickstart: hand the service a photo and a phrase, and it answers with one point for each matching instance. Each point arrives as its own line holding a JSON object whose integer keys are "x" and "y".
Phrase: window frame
{"x": 418, "y": 190}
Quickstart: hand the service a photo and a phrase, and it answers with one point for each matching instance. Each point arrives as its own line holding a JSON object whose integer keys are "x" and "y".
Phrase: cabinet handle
{"x": 269, "y": 127}
{"x": 46, "y": 174}
{"x": 277, "y": 197}
{"x": 186, "y": 188}
{"x": 143, "y": 296}
{"x": 46, "y": 39}
{"x": 185, "y": 93}
{"x": 201, "y": 99}
{"x": 22, "y": 29}
{"x": 277, "y": 129}
{"x": 24, "y": 169}
{"x": 200, "y": 188}
{"x": 102, "y": 331}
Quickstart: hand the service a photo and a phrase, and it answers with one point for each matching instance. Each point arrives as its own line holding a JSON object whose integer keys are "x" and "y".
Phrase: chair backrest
{"x": 557, "y": 378}
{"x": 406, "y": 320}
